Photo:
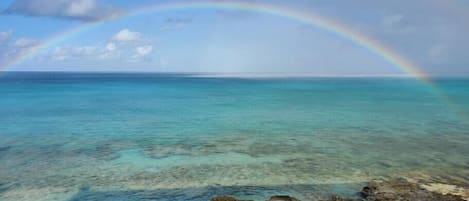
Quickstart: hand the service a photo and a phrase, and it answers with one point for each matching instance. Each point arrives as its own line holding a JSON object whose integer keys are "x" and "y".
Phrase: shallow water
{"x": 177, "y": 137}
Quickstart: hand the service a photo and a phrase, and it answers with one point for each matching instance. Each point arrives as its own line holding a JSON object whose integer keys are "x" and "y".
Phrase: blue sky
{"x": 430, "y": 33}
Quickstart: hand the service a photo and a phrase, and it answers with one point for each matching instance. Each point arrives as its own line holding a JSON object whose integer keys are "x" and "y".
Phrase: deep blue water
{"x": 84, "y": 136}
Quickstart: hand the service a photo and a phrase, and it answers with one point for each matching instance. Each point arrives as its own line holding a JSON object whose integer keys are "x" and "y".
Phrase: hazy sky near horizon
{"x": 433, "y": 34}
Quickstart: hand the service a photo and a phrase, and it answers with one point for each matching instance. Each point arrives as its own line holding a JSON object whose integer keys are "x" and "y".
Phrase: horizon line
{"x": 244, "y": 74}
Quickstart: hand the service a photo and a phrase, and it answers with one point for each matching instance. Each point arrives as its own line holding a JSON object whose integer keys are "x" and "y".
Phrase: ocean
{"x": 137, "y": 136}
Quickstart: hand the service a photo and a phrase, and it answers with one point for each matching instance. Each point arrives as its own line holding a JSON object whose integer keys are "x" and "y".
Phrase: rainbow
{"x": 309, "y": 18}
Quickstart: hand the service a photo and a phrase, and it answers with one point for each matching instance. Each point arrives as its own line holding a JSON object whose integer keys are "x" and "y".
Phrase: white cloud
{"x": 25, "y": 42}
{"x": 102, "y": 52}
{"x": 111, "y": 47}
{"x": 13, "y": 49}
{"x": 392, "y": 20}
{"x": 127, "y": 45}
{"x": 81, "y": 7}
{"x": 87, "y": 10}
{"x": 141, "y": 53}
{"x": 144, "y": 50}
{"x": 68, "y": 53}
{"x": 109, "y": 51}
{"x": 396, "y": 24}
{"x": 4, "y": 36}
{"x": 126, "y": 35}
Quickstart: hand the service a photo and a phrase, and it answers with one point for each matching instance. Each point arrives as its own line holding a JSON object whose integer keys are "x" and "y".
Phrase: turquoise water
{"x": 180, "y": 137}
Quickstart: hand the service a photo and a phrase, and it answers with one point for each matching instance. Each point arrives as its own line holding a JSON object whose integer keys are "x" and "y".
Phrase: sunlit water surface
{"x": 178, "y": 137}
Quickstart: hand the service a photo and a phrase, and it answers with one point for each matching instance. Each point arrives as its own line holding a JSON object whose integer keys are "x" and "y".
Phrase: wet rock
{"x": 401, "y": 189}
{"x": 273, "y": 198}
{"x": 367, "y": 191}
{"x": 338, "y": 198}
{"x": 226, "y": 198}
{"x": 395, "y": 190}
{"x": 282, "y": 198}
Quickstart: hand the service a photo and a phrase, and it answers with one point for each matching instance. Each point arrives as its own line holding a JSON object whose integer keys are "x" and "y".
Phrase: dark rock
{"x": 273, "y": 198}
{"x": 226, "y": 198}
{"x": 282, "y": 198}
{"x": 223, "y": 198}
{"x": 366, "y": 192}
{"x": 401, "y": 181}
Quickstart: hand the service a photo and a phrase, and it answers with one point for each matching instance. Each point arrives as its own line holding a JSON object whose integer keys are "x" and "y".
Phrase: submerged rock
{"x": 4, "y": 187}
{"x": 4, "y": 149}
{"x": 223, "y": 198}
{"x": 226, "y": 198}
{"x": 273, "y": 198}
{"x": 394, "y": 190}
{"x": 282, "y": 198}
{"x": 338, "y": 198}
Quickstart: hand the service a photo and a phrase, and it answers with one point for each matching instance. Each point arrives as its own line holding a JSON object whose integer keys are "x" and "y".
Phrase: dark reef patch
{"x": 3, "y": 149}
{"x": 393, "y": 190}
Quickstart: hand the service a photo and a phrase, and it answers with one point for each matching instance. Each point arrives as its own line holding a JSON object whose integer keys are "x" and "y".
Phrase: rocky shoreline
{"x": 394, "y": 190}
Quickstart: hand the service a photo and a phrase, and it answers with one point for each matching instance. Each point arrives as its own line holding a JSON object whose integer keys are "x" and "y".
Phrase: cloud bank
{"x": 125, "y": 45}
{"x": 13, "y": 48}
{"x": 4, "y": 36}
{"x": 126, "y": 35}
{"x": 86, "y": 10}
